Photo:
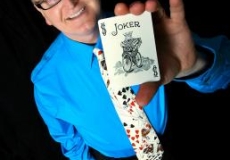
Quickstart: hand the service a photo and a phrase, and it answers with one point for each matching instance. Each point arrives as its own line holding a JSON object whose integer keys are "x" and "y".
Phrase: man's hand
{"x": 174, "y": 43}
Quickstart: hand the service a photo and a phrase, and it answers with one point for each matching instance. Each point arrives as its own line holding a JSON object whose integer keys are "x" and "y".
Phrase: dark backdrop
{"x": 198, "y": 122}
{"x": 23, "y": 136}
{"x": 197, "y": 127}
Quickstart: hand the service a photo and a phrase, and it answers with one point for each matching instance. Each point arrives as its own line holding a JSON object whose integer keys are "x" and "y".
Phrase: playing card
{"x": 129, "y": 49}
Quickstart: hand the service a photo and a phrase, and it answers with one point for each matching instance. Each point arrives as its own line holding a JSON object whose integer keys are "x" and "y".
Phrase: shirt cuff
{"x": 217, "y": 76}
{"x": 206, "y": 54}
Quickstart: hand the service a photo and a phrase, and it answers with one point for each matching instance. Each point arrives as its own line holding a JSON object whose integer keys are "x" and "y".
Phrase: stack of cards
{"x": 129, "y": 49}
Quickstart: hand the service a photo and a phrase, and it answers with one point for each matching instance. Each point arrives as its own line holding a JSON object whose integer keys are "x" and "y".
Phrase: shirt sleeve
{"x": 218, "y": 75}
{"x": 72, "y": 144}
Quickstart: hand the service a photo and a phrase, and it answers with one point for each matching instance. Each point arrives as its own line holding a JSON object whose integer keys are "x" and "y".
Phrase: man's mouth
{"x": 76, "y": 14}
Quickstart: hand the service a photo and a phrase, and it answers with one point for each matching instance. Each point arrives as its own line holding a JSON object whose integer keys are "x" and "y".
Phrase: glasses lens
{"x": 47, "y": 4}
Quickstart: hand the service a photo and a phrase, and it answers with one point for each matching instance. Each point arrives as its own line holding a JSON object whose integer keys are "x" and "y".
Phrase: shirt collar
{"x": 81, "y": 52}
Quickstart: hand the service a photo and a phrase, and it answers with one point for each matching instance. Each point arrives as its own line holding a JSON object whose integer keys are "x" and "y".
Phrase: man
{"x": 70, "y": 94}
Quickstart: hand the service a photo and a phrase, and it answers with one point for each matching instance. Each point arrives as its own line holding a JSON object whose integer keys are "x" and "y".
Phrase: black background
{"x": 198, "y": 123}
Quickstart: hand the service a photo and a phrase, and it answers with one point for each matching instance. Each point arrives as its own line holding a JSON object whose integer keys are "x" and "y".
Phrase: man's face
{"x": 75, "y": 18}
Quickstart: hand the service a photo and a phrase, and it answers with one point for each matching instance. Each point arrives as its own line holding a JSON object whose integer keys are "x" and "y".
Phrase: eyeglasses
{"x": 46, "y": 4}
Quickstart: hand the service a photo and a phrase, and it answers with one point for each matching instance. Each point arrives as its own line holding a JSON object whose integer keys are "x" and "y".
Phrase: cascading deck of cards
{"x": 129, "y": 53}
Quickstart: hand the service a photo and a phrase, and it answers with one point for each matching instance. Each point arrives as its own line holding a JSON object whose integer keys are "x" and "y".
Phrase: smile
{"x": 76, "y": 14}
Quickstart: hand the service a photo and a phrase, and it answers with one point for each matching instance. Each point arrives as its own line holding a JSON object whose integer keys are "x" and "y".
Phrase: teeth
{"x": 77, "y": 14}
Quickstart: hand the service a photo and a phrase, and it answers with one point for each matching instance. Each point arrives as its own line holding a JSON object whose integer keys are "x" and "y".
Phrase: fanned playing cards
{"x": 129, "y": 48}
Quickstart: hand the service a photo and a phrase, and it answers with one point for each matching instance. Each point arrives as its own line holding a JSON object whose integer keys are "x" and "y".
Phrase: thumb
{"x": 176, "y": 9}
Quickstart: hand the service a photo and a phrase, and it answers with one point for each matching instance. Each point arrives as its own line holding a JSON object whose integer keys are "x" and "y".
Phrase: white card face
{"x": 129, "y": 49}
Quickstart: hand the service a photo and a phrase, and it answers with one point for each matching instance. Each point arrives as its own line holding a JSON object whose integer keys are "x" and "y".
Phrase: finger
{"x": 159, "y": 15}
{"x": 176, "y": 9}
{"x": 146, "y": 93}
{"x": 157, "y": 10}
{"x": 137, "y": 8}
{"x": 121, "y": 9}
{"x": 152, "y": 5}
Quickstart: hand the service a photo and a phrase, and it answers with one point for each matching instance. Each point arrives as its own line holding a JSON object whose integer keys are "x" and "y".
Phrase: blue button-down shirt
{"x": 76, "y": 107}
{"x": 218, "y": 76}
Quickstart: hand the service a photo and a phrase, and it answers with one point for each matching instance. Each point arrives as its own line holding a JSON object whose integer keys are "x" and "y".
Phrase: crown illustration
{"x": 128, "y": 35}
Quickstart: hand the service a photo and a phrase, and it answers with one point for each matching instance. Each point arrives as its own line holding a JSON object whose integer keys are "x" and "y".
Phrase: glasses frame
{"x": 39, "y": 5}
